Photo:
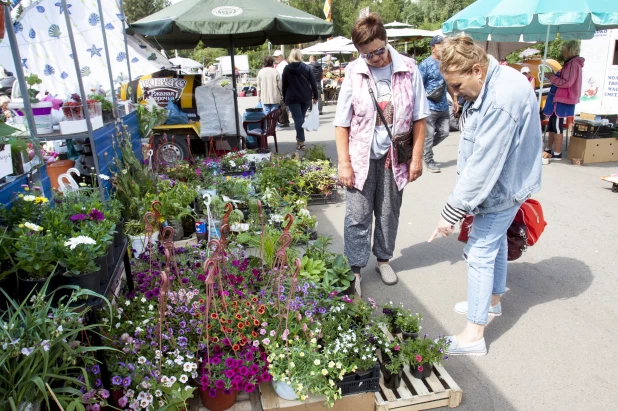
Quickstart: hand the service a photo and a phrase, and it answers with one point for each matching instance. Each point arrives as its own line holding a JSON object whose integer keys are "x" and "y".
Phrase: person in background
{"x": 316, "y": 67}
{"x": 4, "y": 106}
{"x": 563, "y": 96}
{"x": 299, "y": 89}
{"x": 212, "y": 71}
{"x": 438, "y": 122}
{"x": 367, "y": 162}
{"x": 498, "y": 168}
{"x": 269, "y": 86}
{"x": 280, "y": 64}
{"x": 525, "y": 70}
{"x": 504, "y": 62}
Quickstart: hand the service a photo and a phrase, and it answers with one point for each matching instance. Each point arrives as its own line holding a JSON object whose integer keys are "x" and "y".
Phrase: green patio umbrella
{"x": 535, "y": 20}
{"x": 229, "y": 24}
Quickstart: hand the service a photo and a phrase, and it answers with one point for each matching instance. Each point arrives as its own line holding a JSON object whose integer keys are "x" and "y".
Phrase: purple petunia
{"x": 254, "y": 369}
{"x": 96, "y": 369}
{"x": 227, "y": 391}
{"x": 126, "y": 382}
{"x": 184, "y": 280}
{"x": 123, "y": 401}
{"x": 219, "y": 384}
{"x": 249, "y": 387}
{"x": 229, "y": 373}
{"x": 78, "y": 217}
{"x": 244, "y": 370}
{"x": 212, "y": 393}
{"x": 96, "y": 215}
{"x": 230, "y": 363}
{"x": 215, "y": 360}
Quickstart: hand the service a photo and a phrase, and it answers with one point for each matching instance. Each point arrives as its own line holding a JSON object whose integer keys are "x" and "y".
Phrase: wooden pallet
{"x": 439, "y": 390}
{"x": 270, "y": 401}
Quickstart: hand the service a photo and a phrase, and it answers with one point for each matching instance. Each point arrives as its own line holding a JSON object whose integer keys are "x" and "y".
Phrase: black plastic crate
{"x": 589, "y": 131}
{"x": 370, "y": 383}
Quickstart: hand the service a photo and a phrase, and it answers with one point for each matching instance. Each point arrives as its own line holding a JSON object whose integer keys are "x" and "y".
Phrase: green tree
{"x": 554, "y": 51}
{"x": 138, "y": 9}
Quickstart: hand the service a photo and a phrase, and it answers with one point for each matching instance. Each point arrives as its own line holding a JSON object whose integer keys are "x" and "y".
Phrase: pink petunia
{"x": 418, "y": 358}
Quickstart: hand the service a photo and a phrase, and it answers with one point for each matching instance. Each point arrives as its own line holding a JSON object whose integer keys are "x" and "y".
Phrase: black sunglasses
{"x": 376, "y": 52}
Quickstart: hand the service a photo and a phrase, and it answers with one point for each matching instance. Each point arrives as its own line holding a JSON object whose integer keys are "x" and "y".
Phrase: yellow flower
{"x": 21, "y": 226}
{"x": 303, "y": 397}
{"x": 20, "y": 196}
{"x": 299, "y": 387}
{"x": 82, "y": 184}
{"x": 41, "y": 200}
{"x": 302, "y": 354}
{"x": 26, "y": 189}
{"x": 228, "y": 178}
{"x": 312, "y": 373}
{"x": 161, "y": 219}
{"x": 292, "y": 365}
{"x": 316, "y": 362}
{"x": 331, "y": 364}
{"x": 324, "y": 371}
{"x": 331, "y": 383}
{"x": 338, "y": 365}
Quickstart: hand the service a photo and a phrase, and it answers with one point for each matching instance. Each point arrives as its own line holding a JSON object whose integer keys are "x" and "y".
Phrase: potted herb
{"x": 423, "y": 352}
{"x": 409, "y": 324}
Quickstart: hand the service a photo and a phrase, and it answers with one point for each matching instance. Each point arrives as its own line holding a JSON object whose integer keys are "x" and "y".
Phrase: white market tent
{"x": 45, "y": 47}
{"x": 408, "y": 34}
{"x": 186, "y": 63}
{"x": 335, "y": 45}
{"x": 397, "y": 25}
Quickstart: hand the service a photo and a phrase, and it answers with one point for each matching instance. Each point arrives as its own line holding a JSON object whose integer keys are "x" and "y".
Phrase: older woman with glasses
{"x": 382, "y": 95}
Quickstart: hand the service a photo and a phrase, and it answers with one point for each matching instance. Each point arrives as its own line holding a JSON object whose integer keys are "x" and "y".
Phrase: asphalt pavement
{"x": 554, "y": 346}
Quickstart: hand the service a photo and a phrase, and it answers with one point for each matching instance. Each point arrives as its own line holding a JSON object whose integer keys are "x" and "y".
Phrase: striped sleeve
{"x": 452, "y": 215}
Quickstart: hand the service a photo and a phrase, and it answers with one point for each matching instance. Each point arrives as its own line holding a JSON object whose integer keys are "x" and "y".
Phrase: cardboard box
{"x": 589, "y": 116}
{"x": 271, "y": 401}
{"x": 598, "y": 150}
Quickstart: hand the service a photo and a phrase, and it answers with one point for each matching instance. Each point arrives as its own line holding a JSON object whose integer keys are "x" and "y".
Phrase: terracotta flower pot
{"x": 220, "y": 402}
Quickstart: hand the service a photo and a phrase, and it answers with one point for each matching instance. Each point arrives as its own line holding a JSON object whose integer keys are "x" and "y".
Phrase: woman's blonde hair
{"x": 572, "y": 47}
{"x": 460, "y": 54}
{"x": 295, "y": 56}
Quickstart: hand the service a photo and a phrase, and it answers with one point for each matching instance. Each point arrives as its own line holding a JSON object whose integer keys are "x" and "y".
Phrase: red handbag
{"x": 531, "y": 215}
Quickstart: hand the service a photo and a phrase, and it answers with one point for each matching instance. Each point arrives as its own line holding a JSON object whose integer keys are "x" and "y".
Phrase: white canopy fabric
{"x": 336, "y": 45}
{"x": 185, "y": 62}
{"x": 45, "y": 48}
{"x": 395, "y": 34}
{"x": 397, "y": 25}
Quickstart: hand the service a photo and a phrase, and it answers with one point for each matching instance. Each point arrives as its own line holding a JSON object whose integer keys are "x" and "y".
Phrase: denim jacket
{"x": 499, "y": 161}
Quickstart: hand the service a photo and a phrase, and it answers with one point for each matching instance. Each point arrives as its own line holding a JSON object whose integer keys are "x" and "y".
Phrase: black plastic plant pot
{"x": 349, "y": 377}
{"x": 363, "y": 375}
{"x": 395, "y": 329}
{"x": 103, "y": 272}
{"x": 89, "y": 281}
{"x": 392, "y": 381}
{"x": 409, "y": 336}
{"x": 350, "y": 290}
{"x": 27, "y": 286}
{"x": 426, "y": 373}
{"x": 110, "y": 259}
{"x": 119, "y": 234}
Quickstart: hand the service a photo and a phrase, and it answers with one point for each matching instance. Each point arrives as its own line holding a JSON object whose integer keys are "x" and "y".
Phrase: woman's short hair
{"x": 572, "y": 47}
{"x": 368, "y": 29}
{"x": 295, "y": 56}
{"x": 269, "y": 61}
{"x": 460, "y": 54}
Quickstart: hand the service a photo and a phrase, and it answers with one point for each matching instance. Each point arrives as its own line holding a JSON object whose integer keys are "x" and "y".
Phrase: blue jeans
{"x": 486, "y": 253}
{"x": 299, "y": 110}
{"x": 269, "y": 107}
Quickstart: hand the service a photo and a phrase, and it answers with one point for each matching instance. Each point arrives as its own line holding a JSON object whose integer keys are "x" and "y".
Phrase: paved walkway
{"x": 554, "y": 346}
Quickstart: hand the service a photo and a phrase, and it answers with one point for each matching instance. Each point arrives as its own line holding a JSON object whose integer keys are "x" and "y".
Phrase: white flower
{"x": 151, "y": 307}
{"x": 183, "y": 378}
{"x": 292, "y": 365}
{"x": 316, "y": 362}
{"x": 144, "y": 404}
{"x": 124, "y": 171}
{"x": 130, "y": 393}
{"x": 127, "y": 303}
{"x": 232, "y": 164}
{"x": 82, "y": 184}
{"x": 75, "y": 241}
{"x": 33, "y": 227}
{"x": 103, "y": 177}
{"x": 164, "y": 379}
{"x": 173, "y": 379}
{"x": 187, "y": 387}
{"x": 187, "y": 367}
{"x": 158, "y": 393}
{"x": 141, "y": 360}
{"x": 29, "y": 198}
{"x": 26, "y": 351}
{"x": 141, "y": 396}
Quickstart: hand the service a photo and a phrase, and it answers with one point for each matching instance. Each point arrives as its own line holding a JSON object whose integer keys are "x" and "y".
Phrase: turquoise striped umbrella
{"x": 535, "y": 20}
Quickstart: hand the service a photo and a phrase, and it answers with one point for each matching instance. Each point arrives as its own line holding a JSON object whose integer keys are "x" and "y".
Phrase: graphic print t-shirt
{"x": 381, "y": 140}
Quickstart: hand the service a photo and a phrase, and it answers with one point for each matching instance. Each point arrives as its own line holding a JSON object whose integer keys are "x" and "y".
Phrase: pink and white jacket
{"x": 364, "y": 114}
{"x": 569, "y": 82}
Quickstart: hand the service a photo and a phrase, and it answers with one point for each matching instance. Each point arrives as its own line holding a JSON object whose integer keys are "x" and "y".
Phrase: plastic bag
{"x": 312, "y": 122}
{"x": 215, "y": 106}
{"x": 176, "y": 116}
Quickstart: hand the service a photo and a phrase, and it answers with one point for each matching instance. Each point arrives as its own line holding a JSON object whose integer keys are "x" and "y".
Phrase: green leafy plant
{"x": 315, "y": 152}
{"x": 339, "y": 275}
{"x": 106, "y": 105}
{"x": 149, "y": 117}
{"x": 76, "y": 255}
{"x": 33, "y": 80}
{"x": 312, "y": 270}
{"x": 42, "y": 352}
{"x": 35, "y": 253}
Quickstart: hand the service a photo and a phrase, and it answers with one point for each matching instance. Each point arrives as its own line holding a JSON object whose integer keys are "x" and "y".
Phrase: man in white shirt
{"x": 280, "y": 63}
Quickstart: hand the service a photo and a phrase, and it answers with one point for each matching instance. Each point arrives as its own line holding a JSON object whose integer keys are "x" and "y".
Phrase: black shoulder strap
{"x": 379, "y": 110}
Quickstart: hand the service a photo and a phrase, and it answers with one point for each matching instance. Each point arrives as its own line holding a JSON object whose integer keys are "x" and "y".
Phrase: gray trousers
{"x": 380, "y": 198}
{"x": 438, "y": 125}
{"x": 320, "y": 102}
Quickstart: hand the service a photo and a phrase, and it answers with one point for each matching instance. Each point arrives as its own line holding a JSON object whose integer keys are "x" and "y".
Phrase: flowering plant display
{"x": 235, "y": 161}
{"x": 76, "y": 255}
{"x": 35, "y": 250}
{"x": 27, "y": 206}
{"x": 408, "y": 322}
{"x": 425, "y": 350}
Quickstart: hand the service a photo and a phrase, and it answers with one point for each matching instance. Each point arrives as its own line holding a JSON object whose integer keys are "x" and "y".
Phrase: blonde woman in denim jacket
{"x": 498, "y": 168}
